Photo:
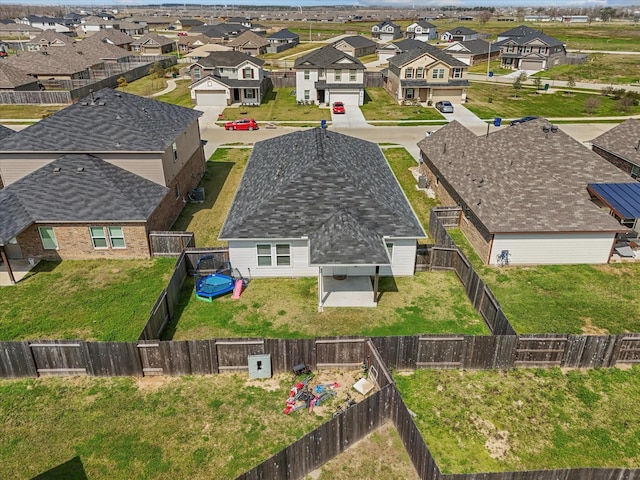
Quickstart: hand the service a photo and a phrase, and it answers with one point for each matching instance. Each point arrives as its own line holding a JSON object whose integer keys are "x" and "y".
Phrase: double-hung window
{"x": 352, "y": 75}
{"x": 338, "y": 75}
{"x": 278, "y": 254}
{"x": 247, "y": 72}
{"x": 116, "y": 237}
{"x": 408, "y": 73}
{"x": 306, "y": 74}
{"x": 419, "y": 72}
{"x": 98, "y": 237}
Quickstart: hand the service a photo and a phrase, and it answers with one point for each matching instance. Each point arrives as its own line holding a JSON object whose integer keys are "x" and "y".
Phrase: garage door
{"x": 453, "y": 95}
{"x": 347, "y": 97}
{"x": 530, "y": 65}
{"x": 385, "y": 56}
{"x": 211, "y": 98}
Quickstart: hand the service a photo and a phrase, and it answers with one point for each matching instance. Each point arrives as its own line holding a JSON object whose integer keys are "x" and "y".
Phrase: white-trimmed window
{"x": 438, "y": 73}
{"x": 306, "y": 74}
{"x": 283, "y": 255}
{"x": 389, "y": 246}
{"x": 267, "y": 252}
{"x": 98, "y": 237}
{"x": 352, "y": 75}
{"x": 307, "y": 95}
{"x": 48, "y": 237}
{"x": 249, "y": 93}
{"x": 247, "y": 72}
{"x": 408, "y": 73}
{"x": 338, "y": 74}
{"x": 196, "y": 73}
{"x": 116, "y": 237}
{"x": 419, "y": 72}
{"x": 409, "y": 93}
{"x": 174, "y": 150}
{"x": 457, "y": 73}
{"x": 264, "y": 254}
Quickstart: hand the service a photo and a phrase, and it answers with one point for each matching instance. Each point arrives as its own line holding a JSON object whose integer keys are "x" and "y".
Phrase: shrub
{"x": 624, "y": 104}
{"x": 607, "y": 90}
{"x": 122, "y": 82}
{"x": 591, "y": 104}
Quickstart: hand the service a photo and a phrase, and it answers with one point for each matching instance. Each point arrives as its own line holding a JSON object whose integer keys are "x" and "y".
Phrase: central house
{"x": 319, "y": 203}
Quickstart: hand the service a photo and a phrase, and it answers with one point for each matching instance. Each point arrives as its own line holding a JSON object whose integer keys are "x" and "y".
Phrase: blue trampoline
{"x": 212, "y": 285}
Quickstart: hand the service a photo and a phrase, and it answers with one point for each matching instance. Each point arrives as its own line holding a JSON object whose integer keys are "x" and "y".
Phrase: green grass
{"x": 179, "y": 96}
{"x": 145, "y": 86}
{"x": 576, "y": 299}
{"x": 279, "y": 104}
{"x": 493, "y": 421}
{"x": 224, "y": 170}
{"x": 296, "y": 51}
{"x": 106, "y": 300}
{"x": 154, "y": 427}
{"x": 601, "y": 68}
{"x": 35, "y": 112}
{"x": 379, "y": 105}
{"x": 557, "y": 104}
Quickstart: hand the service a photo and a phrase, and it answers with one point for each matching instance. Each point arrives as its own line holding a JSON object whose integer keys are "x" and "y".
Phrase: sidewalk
{"x": 506, "y": 79}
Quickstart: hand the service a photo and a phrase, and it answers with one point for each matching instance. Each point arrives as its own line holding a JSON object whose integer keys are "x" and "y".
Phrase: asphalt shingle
{"x": 622, "y": 140}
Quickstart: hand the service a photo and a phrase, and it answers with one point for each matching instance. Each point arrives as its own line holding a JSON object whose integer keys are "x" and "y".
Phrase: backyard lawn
{"x": 505, "y": 104}
{"x": 489, "y": 421}
{"x": 108, "y": 300}
{"x": 181, "y": 95}
{"x": 576, "y": 299}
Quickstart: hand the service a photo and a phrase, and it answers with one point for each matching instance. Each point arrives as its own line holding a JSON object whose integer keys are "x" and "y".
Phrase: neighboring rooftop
{"x": 111, "y": 122}
{"x": 357, "y": 41}
{"x": 284, "y": 34}
{"x": 228, "y": 59}
{"x": 326, "y": 57}
{"x": 410, "y": 55}
{"x": 623, "y": 141}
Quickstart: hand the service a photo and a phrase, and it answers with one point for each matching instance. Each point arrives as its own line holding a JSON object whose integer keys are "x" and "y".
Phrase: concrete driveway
{"x": 352, "y": 118}
{"x": 467, "y": 118}
{"x": 210, "y": 116}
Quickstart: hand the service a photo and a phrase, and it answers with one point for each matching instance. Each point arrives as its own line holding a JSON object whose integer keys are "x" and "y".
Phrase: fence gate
{"x": 234, "y": 354}
{"x": 151, "y": 358}
{"x": 59, "y": 358}
{"x": 440, "y": 352}
{"x": 629, "y": 350}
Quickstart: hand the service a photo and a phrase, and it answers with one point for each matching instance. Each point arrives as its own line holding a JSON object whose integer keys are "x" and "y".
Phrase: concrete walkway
{"x": 171, "y": 85}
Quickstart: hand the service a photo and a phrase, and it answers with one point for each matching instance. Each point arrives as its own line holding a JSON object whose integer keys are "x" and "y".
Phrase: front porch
{"x": 350, "y": 291}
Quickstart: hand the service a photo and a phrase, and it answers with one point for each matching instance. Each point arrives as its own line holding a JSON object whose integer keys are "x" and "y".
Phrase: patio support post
{"x": 320, "y": 289}
{"x": 5, "y": 260}
{"x": 375, "y": 284}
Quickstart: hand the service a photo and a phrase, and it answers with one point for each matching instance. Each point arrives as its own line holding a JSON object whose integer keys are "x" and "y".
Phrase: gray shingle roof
{"x": 99, "y": 192}
{"x": 116, "y": 121}
{"x": 227, "y": 59}
{"x": 523, "y": 34}
{"x": 622, "y": 140}
{"x": 153, "y": 39}
{"x": 284, "y": 34}
{"x": 249, "y": 37}
{"x": 409, "y": 56}
{"x": 357, "y": 41}
{"x": 11, "y": 77}
{"x": 327, "y": 57}
{"x": 408, "y": 44}
{"x": 477, "y": 47}
{"x": 461, "y": 31}
{"x": 337, "y": 190}
{"x": 5, "y": 132}
{"x": 520, "y": 179}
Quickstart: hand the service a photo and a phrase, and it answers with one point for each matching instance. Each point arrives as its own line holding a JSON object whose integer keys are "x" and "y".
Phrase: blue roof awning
{"x": 622, "y": 198}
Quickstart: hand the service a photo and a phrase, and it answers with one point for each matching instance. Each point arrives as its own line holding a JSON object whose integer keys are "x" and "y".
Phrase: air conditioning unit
{"x": 422, "y": 181}
{"x": 198, "y": 194}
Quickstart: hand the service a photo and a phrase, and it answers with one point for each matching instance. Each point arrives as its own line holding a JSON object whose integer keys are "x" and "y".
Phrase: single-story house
{"x": 153, "y": 44}
{"x": 249, "y": 43}
{"x": 14, "y": 79}
{"x": 356, "y": 46}
{"x": 282, "y": 40}
{"x": 459, "y": 34}
{"x": 320, "y": 203}
{"x": 620, "y": 146}
{"x": 205, "y": 50}
{"x": 473, "y": 52}
{"x": 110, "y": 160}
{"x": 523, "y": 189}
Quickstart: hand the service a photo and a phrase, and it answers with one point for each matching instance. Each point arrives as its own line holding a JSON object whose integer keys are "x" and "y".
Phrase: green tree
{"x": 538, "y": 83}
{"x": 122, "y": 82}
{"x": 519, "y": 81}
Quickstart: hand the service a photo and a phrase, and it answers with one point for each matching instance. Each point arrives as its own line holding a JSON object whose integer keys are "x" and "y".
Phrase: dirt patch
{"x": 154, "y": 383}
{"x": 497, "y": 443}
{"x": 590, "y": 329}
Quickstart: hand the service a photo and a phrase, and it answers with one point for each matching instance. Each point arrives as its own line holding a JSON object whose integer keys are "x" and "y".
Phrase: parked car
{"x": 338, "y": 107}
{"x": 444, "y": 106}
{"x": 518, "y": 121}
{"x": 182, "y": 34}
{"x": 242, "y": 124}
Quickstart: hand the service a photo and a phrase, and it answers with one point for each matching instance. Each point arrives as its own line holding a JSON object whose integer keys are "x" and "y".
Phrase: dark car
{"x": 242, "y": 124}
{"x": 518, "y": 121}
{"x": 338, "y": 107}
{"x": 444, "y": 106}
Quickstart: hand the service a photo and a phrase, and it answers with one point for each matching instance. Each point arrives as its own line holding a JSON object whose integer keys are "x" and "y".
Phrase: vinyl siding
{"x": 14, "y": 169}
{"x": 544, "y": 249}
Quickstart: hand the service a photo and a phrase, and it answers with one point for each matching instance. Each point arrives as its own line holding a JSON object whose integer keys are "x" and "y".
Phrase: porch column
{"x": 320, "y": 289}
{"x": 5, "y": 260}
{"x": 375, "y": 284}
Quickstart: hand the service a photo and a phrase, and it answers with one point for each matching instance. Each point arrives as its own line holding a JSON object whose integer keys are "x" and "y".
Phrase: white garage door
{"x": 385, "y": 56}
{"x": 531, "y": 65}
{"x": 346, "y": 96}
{"x": 211, "y": 98}
{"x": 453, "y": 95}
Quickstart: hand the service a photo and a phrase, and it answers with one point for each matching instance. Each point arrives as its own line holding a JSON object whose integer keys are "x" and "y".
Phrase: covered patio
{"x": 12, "y": 271}
{"x": 350, "y": 291}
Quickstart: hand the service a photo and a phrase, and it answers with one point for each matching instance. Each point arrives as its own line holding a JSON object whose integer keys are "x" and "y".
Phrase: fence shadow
{"x": 186, "y": 296}
{"x": 69, "y": 470}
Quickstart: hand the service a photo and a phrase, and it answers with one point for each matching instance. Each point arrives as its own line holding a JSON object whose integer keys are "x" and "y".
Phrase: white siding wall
{"x": 569, "y": 248}
{"x": 257, "y": 72}
{"x": 243, "y": 256}
{"x": 302, "y": 84}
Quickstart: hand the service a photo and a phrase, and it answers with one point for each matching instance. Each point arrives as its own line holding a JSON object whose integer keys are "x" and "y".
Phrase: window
{"x": 249, "y": 93}
{"x": 98, "y": 237}
{"x": 264, "y": 255}
{"x": 306, "y": 95}
{"x": 247, "y": 72}
{"x": 408, "y": 73}
{"x": 457, "y": 73}
{"x": 306, "y": 74}
{"x": 116, "y": 237}
{"x": 266, "y": 252}
{"x": 338, "y": 74}
{"x": 174, "y": 149}
{"x": 389, "y": 246}
{"x": 409, "y": 93}
{"x": 48, "y": 237}
{"x": 543, "y": 50}
{"x": 196, "y": 73}
{"x": 352, "y": 75}
{"x": 283, "y": 255}
{"x": 527, "y": 49}
{"x": 176, "y": 189}
{"x": 419, "y": 72}
{"x": 635, "y": 170}
{"x": 438, "y": 73}
{"x": 321, "y": 73}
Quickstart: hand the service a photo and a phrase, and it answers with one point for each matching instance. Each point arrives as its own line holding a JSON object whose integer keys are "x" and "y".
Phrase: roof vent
{"x": 57, "y": 170}
{"x": 80, "y": 169}
{"x": 118, "y": 117}
{"x": 118, "y": 143}
{"x": 102, "y": 104}
{"x": 554, "y": 128}
{"x": 118, "y": 94}
{"x": 84, "y": 104}
{"x": 546, "y": 128}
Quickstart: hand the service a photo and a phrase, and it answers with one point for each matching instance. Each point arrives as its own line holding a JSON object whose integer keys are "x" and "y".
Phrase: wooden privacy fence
{"x": 35, "y": 97}
{"x": 170, "y": 244}
{"x": 200, "y": 357}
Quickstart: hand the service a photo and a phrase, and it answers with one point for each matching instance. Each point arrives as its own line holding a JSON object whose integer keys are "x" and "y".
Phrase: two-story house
{"x": 426, "y": 74}
{"x": 459, "y": 34}
{"x": 92, "y": 180}
{"x": 328, "y": 75}
{"x": 523, "y": 48}
{"x": 421, "y": 30}
{"x": 225, "y": 78}
{"x": 61, "y": 25}
{"x": 386, "y": 31}
{"x": 282, "y": 40}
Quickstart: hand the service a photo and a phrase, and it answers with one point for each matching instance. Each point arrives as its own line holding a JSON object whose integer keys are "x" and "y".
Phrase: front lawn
{"x": 505, "y": 104}
{"x": 605, "y": 69}
{"x": 491, "y": 421}
{"x": 107, "y": 300}
{"x": 279, "y": 104}
{"x": 379, "y": 105}
{"x": 576, "y": 299}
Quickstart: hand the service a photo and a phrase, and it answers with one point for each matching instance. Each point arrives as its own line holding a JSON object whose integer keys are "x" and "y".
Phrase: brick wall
{"x": 74, "y": 242}
{"x": 614, "y": 160}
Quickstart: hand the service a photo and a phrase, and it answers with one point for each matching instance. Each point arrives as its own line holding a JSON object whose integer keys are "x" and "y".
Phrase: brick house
{"x": 523, "y": 48}
{"x": 620, "y": 146}
{"x": 93, "y": 179}
{"x": 153, "y": 44}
